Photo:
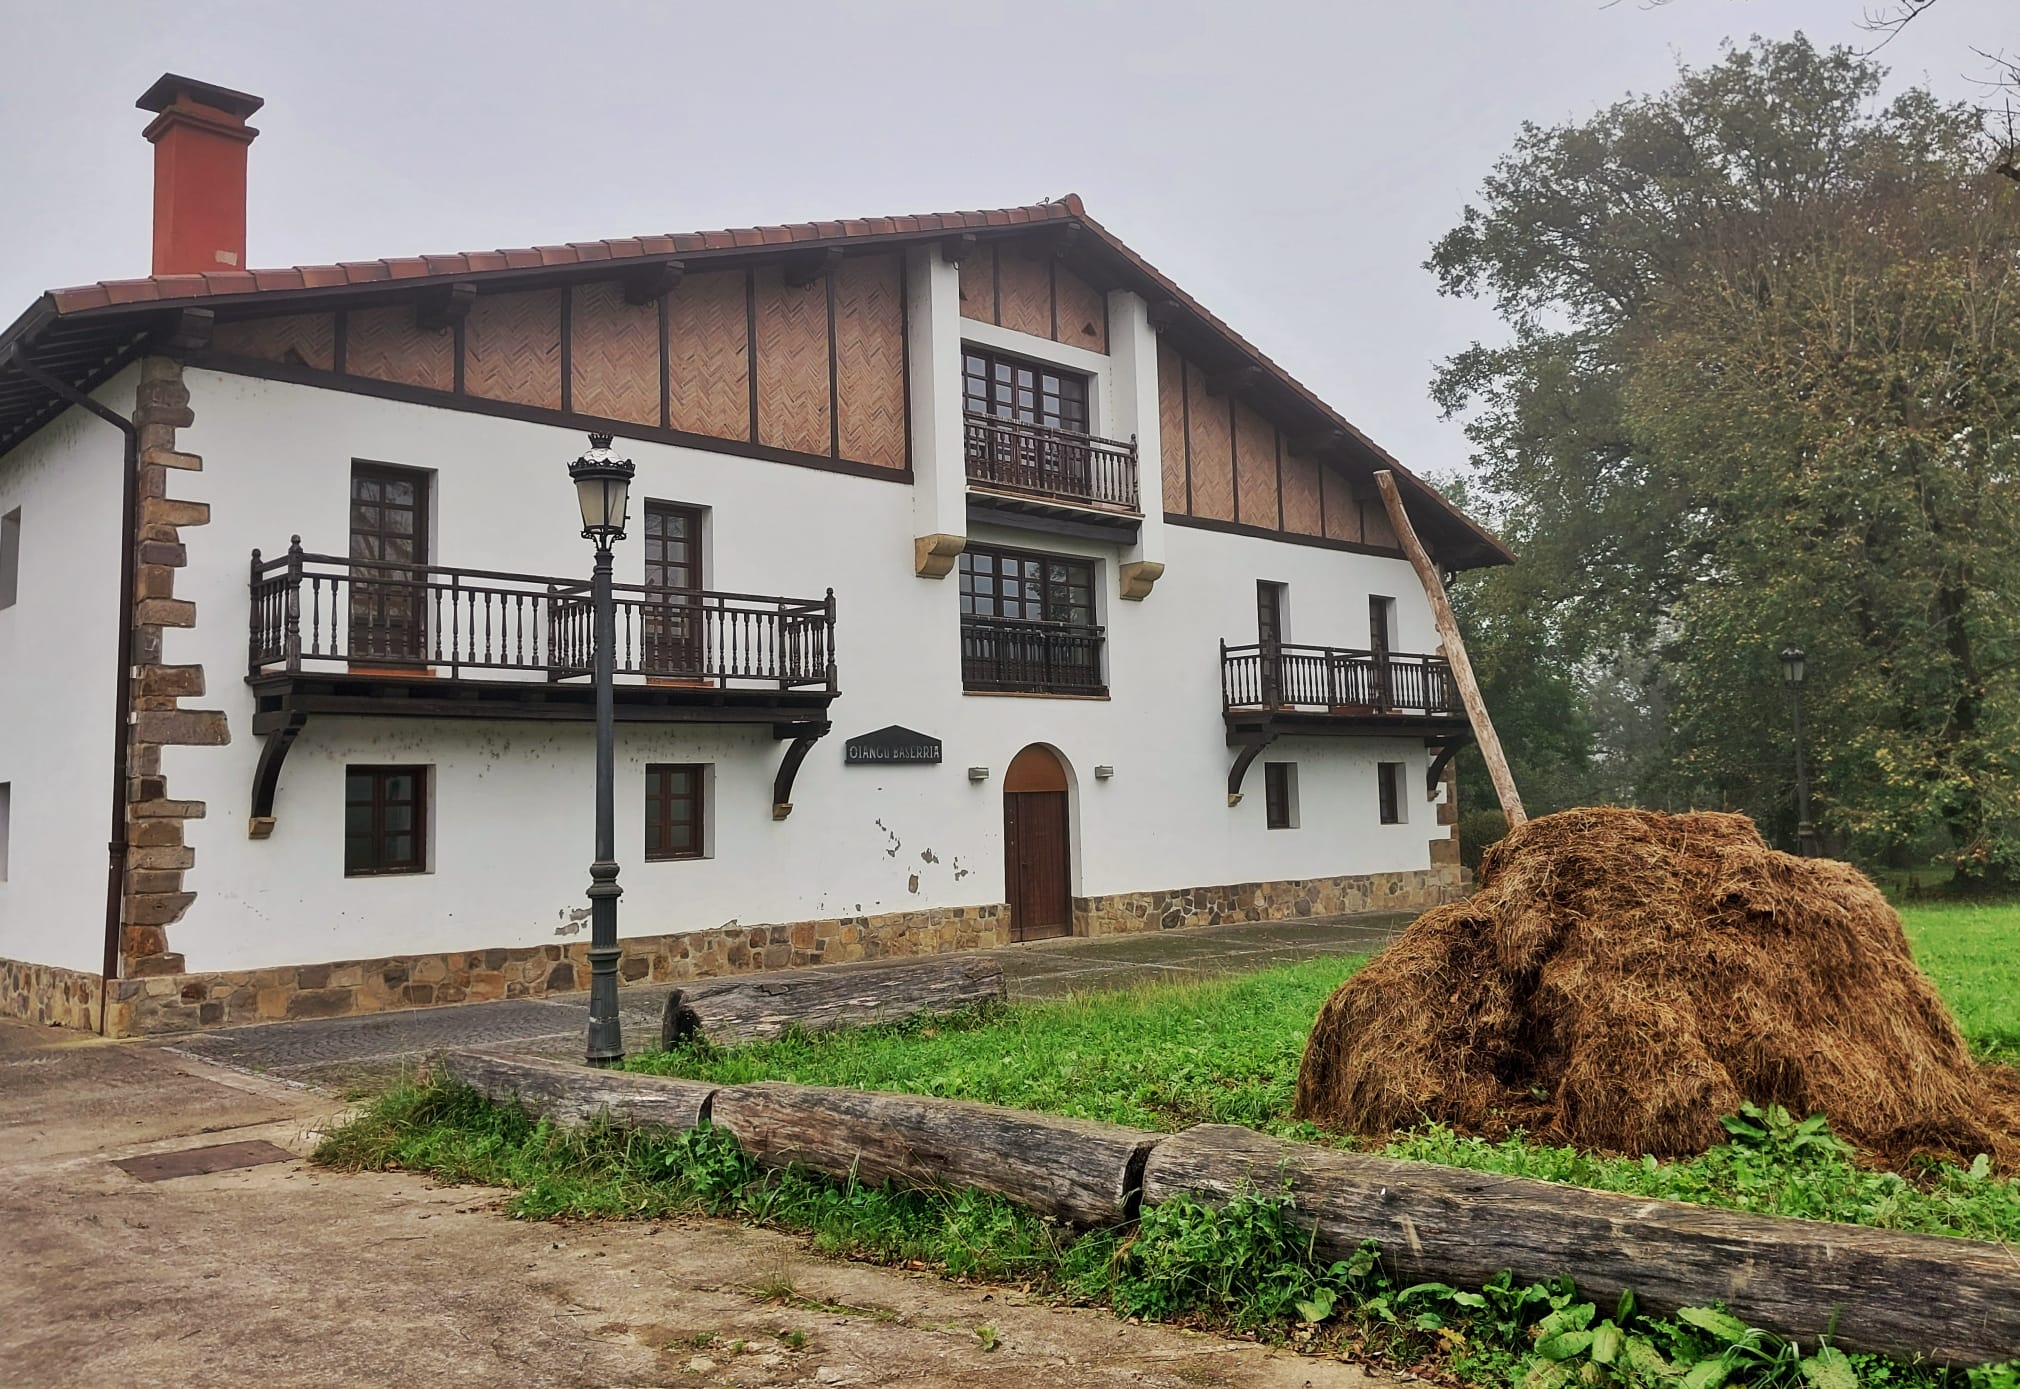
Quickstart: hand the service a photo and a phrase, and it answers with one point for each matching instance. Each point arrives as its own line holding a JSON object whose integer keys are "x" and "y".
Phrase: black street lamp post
{"x": 1792, "y": 673}
{"x": 603, "y": 485}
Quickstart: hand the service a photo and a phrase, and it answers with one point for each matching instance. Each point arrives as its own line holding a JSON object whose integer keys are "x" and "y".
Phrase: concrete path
{"x": 281, "y": 1274}
{"x": 356, "y": 1053}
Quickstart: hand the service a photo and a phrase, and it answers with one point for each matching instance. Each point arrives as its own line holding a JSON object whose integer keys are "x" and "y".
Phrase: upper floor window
{"x": 1009, "y": 388}
{"x": 10, "y": 557}
{"x": 1027, "y": 623}
{"x": 1026, "y": 586}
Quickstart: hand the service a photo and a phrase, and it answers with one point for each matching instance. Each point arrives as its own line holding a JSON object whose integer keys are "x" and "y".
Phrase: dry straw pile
{"x": 1622, "y": 979}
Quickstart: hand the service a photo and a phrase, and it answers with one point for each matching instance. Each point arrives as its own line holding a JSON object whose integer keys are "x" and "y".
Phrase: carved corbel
{"x": 1138, "y": 577}
{"x": 803, "y": 736}
{"x": 933, "y": 556}
{"x": 267, "y": 774}
{"x": 1251, "y": 749}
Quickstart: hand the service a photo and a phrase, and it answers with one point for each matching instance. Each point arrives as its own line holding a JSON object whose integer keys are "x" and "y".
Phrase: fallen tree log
{"x": 1075, "y": 1170}
{"x": 756, "y": 1007}
{"x": 569, "y": 1092}
{"x": 1952, "y": 1300}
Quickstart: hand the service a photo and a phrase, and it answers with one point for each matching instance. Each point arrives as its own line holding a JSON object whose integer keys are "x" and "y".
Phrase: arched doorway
{"x": 1037, "y": 858}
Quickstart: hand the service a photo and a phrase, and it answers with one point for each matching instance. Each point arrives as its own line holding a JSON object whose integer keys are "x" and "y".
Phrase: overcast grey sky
{"x": 1290, "y": 164}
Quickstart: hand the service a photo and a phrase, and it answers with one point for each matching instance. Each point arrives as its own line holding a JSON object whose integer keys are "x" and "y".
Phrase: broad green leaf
{"x": 1564, "y": 1345}
{"x": 1707, "y": 1374}
{"x": 1608, "y": 1340}
{"x": 1723, "y": 1325}
{"x": 1830, "y": 1368}
{"x": 1576, "y": 1317}
{"x": 1645, "y": 1360}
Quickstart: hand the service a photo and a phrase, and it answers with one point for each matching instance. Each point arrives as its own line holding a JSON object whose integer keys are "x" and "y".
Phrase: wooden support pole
{"x": 1455, "y": 650}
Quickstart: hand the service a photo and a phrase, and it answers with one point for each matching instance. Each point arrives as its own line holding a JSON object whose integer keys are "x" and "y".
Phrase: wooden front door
{"x": 673, "y": 583}
{"x": 1037, "y": 863}
{"x": 389, "y": 552}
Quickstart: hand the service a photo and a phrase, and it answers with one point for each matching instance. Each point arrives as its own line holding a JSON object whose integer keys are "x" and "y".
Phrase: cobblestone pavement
{"x": 351, "y": 1053}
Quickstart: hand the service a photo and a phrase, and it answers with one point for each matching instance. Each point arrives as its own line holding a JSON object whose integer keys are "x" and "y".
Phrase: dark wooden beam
{"x": 1164, "y": 313}
{"x": 650, "y": 282}
{"x": 1251, "y": 749}
{"x": 1318, "y": 443}
{"x": 803, "y": 270}
{"x": 1065, "y": 239}
{"x": 957, "y": 248}
{"x": 445, "y": 307}
{"x": 184, "y": 330}
{"x": 804, "y": 737}
{"x": 1234, "y": 381}
{"x": 267, "y": 774}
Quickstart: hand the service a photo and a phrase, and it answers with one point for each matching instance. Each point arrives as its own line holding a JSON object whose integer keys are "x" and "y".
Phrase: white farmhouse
{"x": 980, "y": 587}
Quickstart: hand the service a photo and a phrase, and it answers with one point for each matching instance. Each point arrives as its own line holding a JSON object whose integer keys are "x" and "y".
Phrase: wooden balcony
{"x": 1336, "y": 689}
{"x": 331, "y": 635}
{"x": 1276, "y": 690}
{"x": 1011, "y": 656}
{"x": 1076, "y": 483}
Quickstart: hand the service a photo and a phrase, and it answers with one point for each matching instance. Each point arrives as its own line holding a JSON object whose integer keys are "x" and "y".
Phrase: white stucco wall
{"x": 57, "y": 667}
{"x": 511, "y": 801}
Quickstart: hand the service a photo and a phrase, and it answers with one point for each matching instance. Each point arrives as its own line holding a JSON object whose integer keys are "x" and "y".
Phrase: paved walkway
{"x": 282, "y": 1274}
{"x": 343, "y": 1053}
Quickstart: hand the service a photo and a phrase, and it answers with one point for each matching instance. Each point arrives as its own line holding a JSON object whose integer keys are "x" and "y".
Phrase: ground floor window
{"x": 1280, "y": 795}
{"x": 674, "y": 798}
{"x": 385, "y": 820}
{"x": 1389, "y": 787}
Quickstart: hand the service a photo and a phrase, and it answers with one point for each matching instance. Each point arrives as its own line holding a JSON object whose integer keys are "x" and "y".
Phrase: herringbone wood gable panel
{"x": 978, "y": 284}
{"x": 870, "y": 359}
{"x": 1343, "y": 516}
{"x": 1255, "y": 461}
{"x": 1083, "y": 311}
{"x": 388, "y": 345}
{"x": 512, "y": 348}
{"x": 1212, "y": 450}
{"x": 792, "y": 367}
{"x": 708, "y": 356}
{"x": 1301, "y": 495}
{"x": 1024, "y": 283}
{"x": 1171, "y": 425}
{"x": 613, "y": 359}
{"x": 303, "y": 339}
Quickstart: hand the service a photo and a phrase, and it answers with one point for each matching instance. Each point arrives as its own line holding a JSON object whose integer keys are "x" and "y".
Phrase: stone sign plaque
{"x": 891, "y": 745}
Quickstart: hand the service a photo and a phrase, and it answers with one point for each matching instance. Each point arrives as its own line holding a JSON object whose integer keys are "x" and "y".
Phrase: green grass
{"x": 1972, "y": 951}
{"x": 1159, "y": 1057}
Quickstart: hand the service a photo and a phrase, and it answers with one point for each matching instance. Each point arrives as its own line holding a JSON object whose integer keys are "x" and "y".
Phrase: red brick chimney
{"x": 199, "y": 139}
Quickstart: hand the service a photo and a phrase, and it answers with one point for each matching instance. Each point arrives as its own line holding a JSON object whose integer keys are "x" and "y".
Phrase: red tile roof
{"x": 180, "y": 288}
{"x": 170, "y": 291}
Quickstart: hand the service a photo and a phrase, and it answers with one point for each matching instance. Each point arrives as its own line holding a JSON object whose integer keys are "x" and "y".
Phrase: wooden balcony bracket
{"x": 804, "y": 736}
{"x": 1446, "y": 751}
{"x": 1251, "y": 746}
{"x": 267, "y": 774}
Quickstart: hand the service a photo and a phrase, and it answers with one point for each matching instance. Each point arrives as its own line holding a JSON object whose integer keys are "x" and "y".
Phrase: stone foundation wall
{"x": 46, "y": 994}
{"x": 1287, "y": 899}
{"x": 180, "y": 1002}
{"x": 160, "y": 1003}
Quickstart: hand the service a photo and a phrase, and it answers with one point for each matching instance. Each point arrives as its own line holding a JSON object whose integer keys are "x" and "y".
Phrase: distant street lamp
{"x": 603, "y": 487}
{"x": 1792, "y": 673}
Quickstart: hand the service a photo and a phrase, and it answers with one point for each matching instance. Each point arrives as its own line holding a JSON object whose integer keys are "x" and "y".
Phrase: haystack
{"x": 1622, "y": 979}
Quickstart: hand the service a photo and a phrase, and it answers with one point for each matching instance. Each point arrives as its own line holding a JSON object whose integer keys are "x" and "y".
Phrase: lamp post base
{"x": 606, "y": 1034}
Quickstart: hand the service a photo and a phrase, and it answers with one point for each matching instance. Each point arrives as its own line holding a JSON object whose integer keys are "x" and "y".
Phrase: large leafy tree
{"x": 1762, "y": 386}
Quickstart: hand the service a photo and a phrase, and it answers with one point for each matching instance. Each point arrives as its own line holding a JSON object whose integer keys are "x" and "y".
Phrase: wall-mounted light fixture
{"x": 1103, "y": 773}
{"x": 978, "y": 774}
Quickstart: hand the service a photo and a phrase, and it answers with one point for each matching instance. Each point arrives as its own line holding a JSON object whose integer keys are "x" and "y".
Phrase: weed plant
{"x": 1243, "y": 1266}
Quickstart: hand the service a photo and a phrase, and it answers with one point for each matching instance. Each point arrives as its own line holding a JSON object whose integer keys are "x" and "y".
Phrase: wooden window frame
{"x": 380, "y": 865}
{"x": 10, "y": 558}
{"x": 1280, "y": 795}
{"x": 1390, "y": 779}
{"x": 658, "y": 781}
{"x": 1091, "y": 568}
{"x": 993, "y": 358}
